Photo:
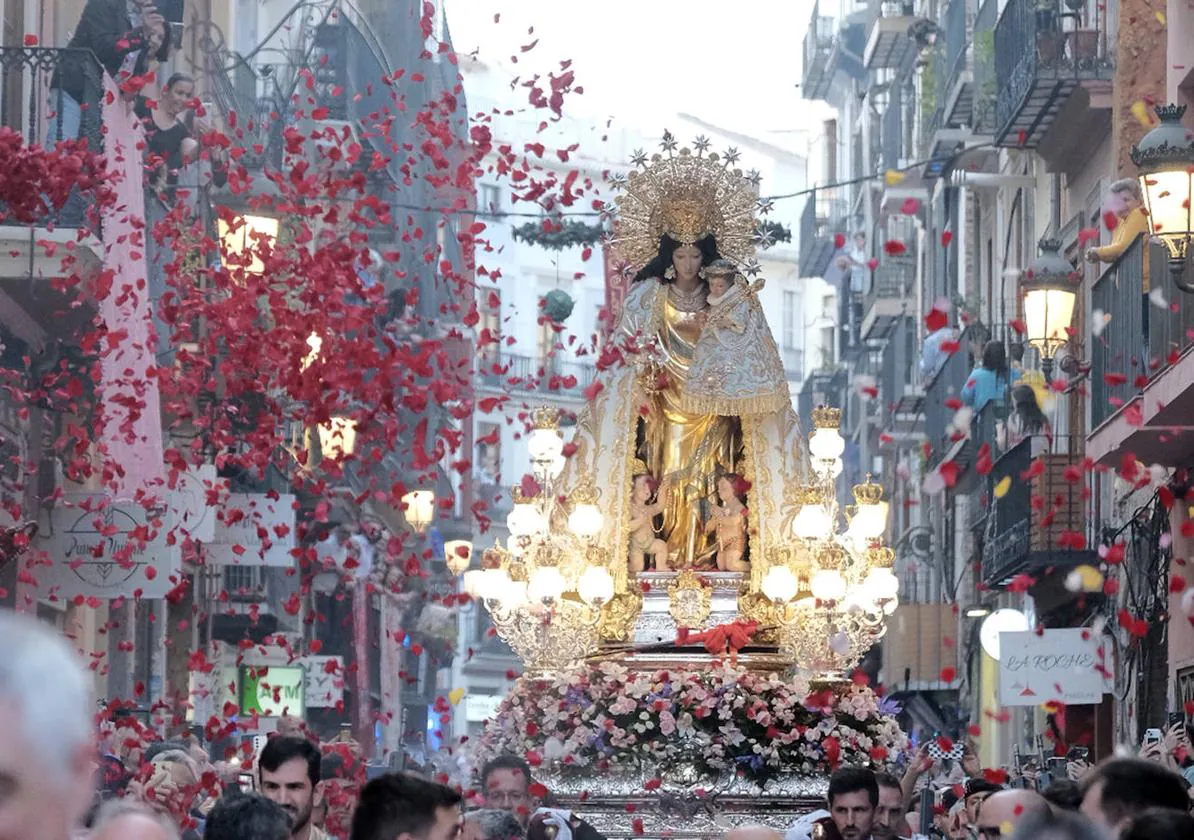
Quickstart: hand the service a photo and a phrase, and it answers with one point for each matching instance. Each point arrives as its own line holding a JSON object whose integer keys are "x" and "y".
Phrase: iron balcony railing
{"x": 956, "y": 37}
{"x": 893, "y": 129}
{"x": 1040, "y": 55}
{"x": 941, "y": 395}
{"x": 986, "y": 88}
{"x": 1037, "y": 516}
{"x": 823, "y": 213}
{"x": 530, "y": 373}
{"x": 1118, "y": 353}
{"x": 34, "y": 105}
{"x": 898, "y": 363}
{"x": 892, "y": 278}
{"x": 818, "y": 56}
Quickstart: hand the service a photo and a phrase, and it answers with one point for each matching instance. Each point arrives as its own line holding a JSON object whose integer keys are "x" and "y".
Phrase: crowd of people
{"x": 54, "y": 787}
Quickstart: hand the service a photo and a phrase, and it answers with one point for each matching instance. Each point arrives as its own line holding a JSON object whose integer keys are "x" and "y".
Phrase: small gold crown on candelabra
{"x": 810, "y": 494}
{"x": 832, "y": 556}
{"x": 584, "y": 494}
{"x": 639, "y": 467}
{"x": 520, "y": 498}
{"x": 546, "y": 417}
{"x": 868, "y": 493}
{"x": 827, "y": 417}
{"x": 880, "y": 557}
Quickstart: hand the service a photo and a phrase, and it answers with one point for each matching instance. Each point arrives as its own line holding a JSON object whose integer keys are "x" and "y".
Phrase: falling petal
{"x": 1003, "y": 486}
{"x": 1157, "y": 298}
{"x": 1099, "y": 321}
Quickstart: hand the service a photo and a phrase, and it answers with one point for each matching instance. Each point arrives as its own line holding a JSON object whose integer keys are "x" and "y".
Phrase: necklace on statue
{"x": 690, "y": 301}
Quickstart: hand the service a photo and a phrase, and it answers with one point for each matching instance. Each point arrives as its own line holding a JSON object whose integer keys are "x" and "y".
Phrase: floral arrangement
{"x": 610, "y": 719}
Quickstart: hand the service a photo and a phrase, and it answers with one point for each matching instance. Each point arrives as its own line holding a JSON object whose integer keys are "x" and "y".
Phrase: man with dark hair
{"x": 1160, "y": 824}
{"x": 506, "y": 784}
{"x": 1119, "y": 789}
{"x": 890, "y": 813}
{"x": 853, "y": 798}
{"x": 975, "y": 793}
{"x": 288, "y": 773}
{"x": 246, "y": 816}
{"x": 1063, "y": 795}
{"x": 398, "y": 806}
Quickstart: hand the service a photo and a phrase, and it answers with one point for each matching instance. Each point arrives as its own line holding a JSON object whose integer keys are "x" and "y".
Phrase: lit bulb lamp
{"x": 1048, "y": 293}
{"x": 585, "y": 520}
{"x": 1165, "y": 158}
{"x": 419, "y": 508}
{"x": 596, "y": 586}
{"x": 458, "y": 554}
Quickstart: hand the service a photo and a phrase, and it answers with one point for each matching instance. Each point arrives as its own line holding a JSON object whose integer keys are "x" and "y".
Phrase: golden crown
{"x": 827, "y": 417}
{"x": 868, "y": 493}
{"x": 880, "y": 557}
{"x": 832, "y": 557}
{"x": 584, "y": 494}
{"x": 810, "y": 494}
{"x": 520, "y": 498}
{"x": 546, "y": 417}
{"x": 686, "y": 195}
{"x": 639, "y": 467}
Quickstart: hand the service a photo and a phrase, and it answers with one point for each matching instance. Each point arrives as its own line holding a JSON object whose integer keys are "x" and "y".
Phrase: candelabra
{"x": 834, "y": 586}
{"x": 545, "y": 589}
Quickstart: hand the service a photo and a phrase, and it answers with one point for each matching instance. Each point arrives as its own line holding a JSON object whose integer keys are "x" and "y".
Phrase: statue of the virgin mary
{"x": 675, "y": 216}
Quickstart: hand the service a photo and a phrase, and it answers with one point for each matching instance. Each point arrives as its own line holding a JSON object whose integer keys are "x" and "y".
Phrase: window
{"x": 828, "y": 306}
{"x": 491, "y": 199}
{"x": 792, "y": 317}
{"x": 487, "y": 463}
{"x": 489, "y": 329}
{"x": 549, "y": 357}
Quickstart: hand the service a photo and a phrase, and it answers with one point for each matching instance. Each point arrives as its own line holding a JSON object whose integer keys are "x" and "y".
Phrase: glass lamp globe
{"x": 996, "y": 624}
{"x": 585, "y": 521}
{"x": 472, "y": 583}
{"x": 889, "y": 607}
{"x": 870, "y": 521}
{"x": 596, "y": 585}
{"x": 556, "y": 466}
{"x": 516, "y": 594}
{"x": 546, "y": 584}
{"x": 828, "y": 585}
{"x": 491, "y": 584}
{"x": 811, "y": 522}
{"x": 525, "y": 520}
{"x": 779, "y": 584}
{"x": 458, "y": 554}
{"x": 826, "y": 444}
{"x": 881, "y": 584}
{"x": 544, "y": 444}
{"x": 830, "y": 469}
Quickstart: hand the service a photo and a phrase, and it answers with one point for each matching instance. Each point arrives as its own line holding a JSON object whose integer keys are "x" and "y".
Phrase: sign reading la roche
{"x": 1066, "y": 665}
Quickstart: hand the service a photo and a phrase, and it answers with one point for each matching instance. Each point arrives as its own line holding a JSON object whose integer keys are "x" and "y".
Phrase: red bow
{"x": 730, "y": 637}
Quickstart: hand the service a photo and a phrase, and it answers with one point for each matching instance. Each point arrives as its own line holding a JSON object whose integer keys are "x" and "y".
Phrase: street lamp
{"x": 337, "y": 437}
{"x": 1165, "y": 158}
{"x": 243, "y": 235}
{"x": 1048, "y": 302}
{"x": 458, "y": 554}
{"x": 419, "y": 508}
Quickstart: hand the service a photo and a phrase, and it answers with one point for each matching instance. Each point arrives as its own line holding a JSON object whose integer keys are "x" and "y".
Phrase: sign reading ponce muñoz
{"x": 273, "y": 690}
{"x": 1064, "y": 665}
{"x": 87, "y": 538}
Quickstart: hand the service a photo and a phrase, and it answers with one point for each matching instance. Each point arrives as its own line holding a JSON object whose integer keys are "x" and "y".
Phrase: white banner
{"x": 325, "y": 686}
{"x": 87, "y": 539}
{"x": 1066, "y": 665}
{"x": 252, "y": 529}
{"x": 187, "y": 500}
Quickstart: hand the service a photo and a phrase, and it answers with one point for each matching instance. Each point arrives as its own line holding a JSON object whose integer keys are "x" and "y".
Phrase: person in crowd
{"x": 128, "y": 819}
{"x": 890, "y": 822}
{"x": 933, "y": 356}
{"x": 288, "y": 773}
{"x": 492, "y": 824}
{"x": 1027, "y": 420}
{"x": 125, "y": 35}
{"x": 1120, "y": 789}
{"x": 853, "y": 798}
{"x": 1063, "y": 795}
{"x": 1001, "y": 813}
{"x": 169, "y": 145}
{"x": 398, "y": 806}
{"x": 247, "y": 816}
{"x": 1061, "y": 825}
{"x": 506, "y": 784}
{"x": 47, "y": 744}
{"x": 990, "y": 379}
{"x": 341, "y": 776}
{"x": 1160, "y": 824}
{"x": 974, "y": 793}
{"x": 1127, "y": 205}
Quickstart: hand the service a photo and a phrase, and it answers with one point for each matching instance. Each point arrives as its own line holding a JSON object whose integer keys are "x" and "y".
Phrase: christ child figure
{"x": 644, "y": 540}
{"x": 728, "y": 522}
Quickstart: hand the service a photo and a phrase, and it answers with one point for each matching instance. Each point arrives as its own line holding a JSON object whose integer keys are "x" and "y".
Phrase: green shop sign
{"x": 273, "y": 690}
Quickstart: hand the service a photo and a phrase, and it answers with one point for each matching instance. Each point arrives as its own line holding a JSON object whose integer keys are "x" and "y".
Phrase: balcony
{"x": 889, "y": 45}
{"x": 900, "y": 396}
{"x": 1141, "y": 368}
{"x": 885, "y": 302}
{"x": 517, "y": 373}
{"x": 820, "y": 221}
{"x": 1042, "y": 58}
{"x": 819, "y": 55}
{"x": 1041, "y": 521}
{"x": 942, "y": 391}
{"x": 892, "y": 129}
{"x": 823, "y": 387}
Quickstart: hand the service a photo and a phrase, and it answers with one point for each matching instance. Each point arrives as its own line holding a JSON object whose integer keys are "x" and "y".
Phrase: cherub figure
{"x": 644, "y": 539}
{"x": 729, "y": 523}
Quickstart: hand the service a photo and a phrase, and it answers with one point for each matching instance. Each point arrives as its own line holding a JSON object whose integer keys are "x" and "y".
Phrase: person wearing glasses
{"x": 1001, "y": 812}
{"x": 506, "y": 785}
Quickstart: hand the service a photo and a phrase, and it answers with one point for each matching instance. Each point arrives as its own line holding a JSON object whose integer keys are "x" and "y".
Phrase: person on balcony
{"x": 169, "y": 145}
{"x": 990, "y": 380}
{"x": 1128, "y": 219}
{"x": 125, "y": 35}
{"x": 1028, "y": 421}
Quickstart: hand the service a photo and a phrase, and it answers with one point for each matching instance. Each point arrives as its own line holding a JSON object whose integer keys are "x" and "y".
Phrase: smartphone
{"x": 927, "y": 801}
{"x": 245, "y": 782}
{"x": 1056, "y": 765}
{"x": 1152, "y": 736}
{"x": 1175, "y": 718}
{"x": 176, "y": 33}
{"x": 1078, "y": 754}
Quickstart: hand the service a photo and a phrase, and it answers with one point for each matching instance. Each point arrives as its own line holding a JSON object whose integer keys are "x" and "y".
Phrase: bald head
{"x": 126, "y": 819}
{"x": 1001, "y": 812}
{"x": 754, "y": 832}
